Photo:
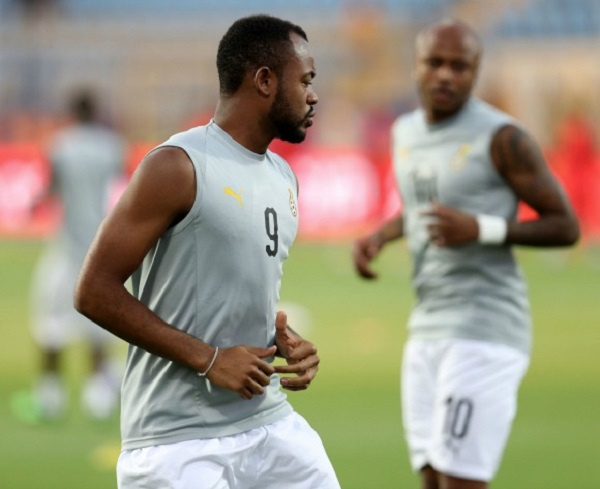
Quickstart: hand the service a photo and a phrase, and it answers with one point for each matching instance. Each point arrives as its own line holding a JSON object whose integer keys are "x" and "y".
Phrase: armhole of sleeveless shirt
{"x": 199, "y": 170}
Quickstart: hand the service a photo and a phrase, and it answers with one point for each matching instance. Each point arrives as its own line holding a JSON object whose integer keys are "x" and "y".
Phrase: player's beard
{"x": 289, "y": 127}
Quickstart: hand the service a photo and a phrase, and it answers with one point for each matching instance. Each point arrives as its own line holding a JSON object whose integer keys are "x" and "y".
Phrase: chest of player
{"x": 250, "y": 206}
{"x": 453, "y": 172}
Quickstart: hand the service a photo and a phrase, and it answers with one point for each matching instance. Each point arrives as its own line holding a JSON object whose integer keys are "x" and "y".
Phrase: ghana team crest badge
{"x": 293, "y": 207}
{"x": 459, "y": 160}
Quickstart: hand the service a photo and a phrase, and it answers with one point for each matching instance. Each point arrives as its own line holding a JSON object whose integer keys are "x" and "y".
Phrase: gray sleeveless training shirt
{"x": 473, "y": 291}
{"x": 86, "y": 160}
{"x": 215, "y": 275}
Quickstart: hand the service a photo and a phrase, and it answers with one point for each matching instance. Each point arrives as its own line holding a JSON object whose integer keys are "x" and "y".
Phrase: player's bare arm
{"x": 367, "y": 248}
{"x": 160, "y": 193}
{"x": 520, "y": 161}
{"x": 300, "y": 355}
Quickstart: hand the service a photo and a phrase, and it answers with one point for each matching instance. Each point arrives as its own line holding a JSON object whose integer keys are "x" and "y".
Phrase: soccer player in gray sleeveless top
{"x": 462, "y": 167}
{"x": 203, "y": 229}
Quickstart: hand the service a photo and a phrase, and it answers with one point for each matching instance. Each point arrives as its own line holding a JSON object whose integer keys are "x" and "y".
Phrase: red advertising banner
{"x": 344, "y": 191}
{"x": 340, "y": 191}
{"x": 24, "y": 179}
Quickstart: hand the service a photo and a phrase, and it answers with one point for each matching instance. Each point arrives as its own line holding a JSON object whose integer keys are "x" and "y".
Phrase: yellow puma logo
{"x": 234, "y": 194}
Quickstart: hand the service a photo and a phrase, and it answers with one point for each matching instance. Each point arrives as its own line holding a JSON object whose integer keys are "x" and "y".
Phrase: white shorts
{"x": 55, "y": 322}
{"x": 286, "y": 454}
{"x": 459, "y": 398}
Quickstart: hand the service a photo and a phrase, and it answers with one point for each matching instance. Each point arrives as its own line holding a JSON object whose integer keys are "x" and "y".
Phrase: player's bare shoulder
{"x": 514, "y": 151}
{"x": 167, "y": 173}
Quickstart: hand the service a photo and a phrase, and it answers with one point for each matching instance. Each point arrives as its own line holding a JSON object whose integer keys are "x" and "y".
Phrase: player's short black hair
{"x": 252, "y": 42}
{"x": 83, "y": 105}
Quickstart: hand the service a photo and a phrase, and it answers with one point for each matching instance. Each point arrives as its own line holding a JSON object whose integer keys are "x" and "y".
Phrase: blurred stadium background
{"x": 153, "y": 65}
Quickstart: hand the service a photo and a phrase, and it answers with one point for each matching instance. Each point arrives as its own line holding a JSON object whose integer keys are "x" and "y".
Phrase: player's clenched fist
{"x": 242, "y": 369}
{"x": 300, "y": 355}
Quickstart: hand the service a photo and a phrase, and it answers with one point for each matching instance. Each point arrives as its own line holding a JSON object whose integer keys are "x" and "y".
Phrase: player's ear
{"x": 265, "y": 81}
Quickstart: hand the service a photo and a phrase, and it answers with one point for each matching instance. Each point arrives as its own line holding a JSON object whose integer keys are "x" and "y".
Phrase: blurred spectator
{"x": 86, "y": 158}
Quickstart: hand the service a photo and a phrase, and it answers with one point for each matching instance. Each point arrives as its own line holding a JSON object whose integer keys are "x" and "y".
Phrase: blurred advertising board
{"x": 344, "y": 191}
{"x": 24, "y": 179}
{"x": 340, "y": 191}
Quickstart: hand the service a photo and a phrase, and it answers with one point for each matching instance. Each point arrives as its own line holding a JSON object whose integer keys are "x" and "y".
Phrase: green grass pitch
{"x": 359, "y": 329}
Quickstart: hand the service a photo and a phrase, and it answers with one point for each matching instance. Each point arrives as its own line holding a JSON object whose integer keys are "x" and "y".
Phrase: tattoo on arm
{"x": 521, "y": 163}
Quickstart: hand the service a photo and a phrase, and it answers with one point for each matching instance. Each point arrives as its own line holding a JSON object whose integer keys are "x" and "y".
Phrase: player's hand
{"x": 242, "y": 369}
{"x": 363, "y": 252}
{"x": 300, "y": 355}
{"x": 450, "y": 227}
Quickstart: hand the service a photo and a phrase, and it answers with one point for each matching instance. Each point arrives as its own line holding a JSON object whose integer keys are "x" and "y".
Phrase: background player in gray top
{"x": 203, "y": 229}
{"x": 86, "y": 160}
{"x": 462, "y": 167}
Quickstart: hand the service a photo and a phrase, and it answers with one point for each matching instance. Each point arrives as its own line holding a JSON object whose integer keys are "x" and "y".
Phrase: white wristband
{"x": 210, "y": 365}
{"x": 492, "y": 229}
